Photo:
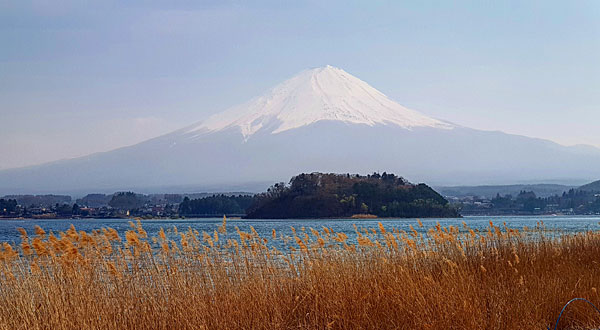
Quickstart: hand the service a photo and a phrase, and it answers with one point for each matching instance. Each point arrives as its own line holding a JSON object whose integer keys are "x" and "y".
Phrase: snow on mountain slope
{"x": 326, "y": 93}
{"x": 321, "y": 120}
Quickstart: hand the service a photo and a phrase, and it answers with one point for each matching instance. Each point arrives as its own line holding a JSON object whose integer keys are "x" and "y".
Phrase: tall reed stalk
{"x": 378, "y": 278}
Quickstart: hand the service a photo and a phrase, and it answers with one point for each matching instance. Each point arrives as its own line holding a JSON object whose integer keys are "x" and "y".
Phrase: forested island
{"x": 320, "y": 195}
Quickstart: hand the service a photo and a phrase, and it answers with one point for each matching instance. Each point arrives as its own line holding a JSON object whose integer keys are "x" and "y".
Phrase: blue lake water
{"x": 567, "y": 224}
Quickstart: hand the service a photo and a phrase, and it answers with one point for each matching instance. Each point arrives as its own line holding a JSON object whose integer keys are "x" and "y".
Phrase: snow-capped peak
{"x": 325, "y": 93}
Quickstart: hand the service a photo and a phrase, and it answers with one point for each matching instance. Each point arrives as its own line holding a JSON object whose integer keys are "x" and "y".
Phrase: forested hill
{"x": 319, "y": 195}
{"x": 594, "y": 186}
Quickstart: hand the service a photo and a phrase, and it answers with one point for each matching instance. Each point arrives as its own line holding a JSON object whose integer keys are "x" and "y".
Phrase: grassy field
{"x": 451, "y": 278}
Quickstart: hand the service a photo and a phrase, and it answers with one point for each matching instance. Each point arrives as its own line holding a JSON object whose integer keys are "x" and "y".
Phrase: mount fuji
{"x": 322, "y": 120}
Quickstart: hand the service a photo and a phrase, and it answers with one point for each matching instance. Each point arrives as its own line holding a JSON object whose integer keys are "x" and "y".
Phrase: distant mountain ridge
{"x": 321, "y": 120}
{"x": 489, "y": 191}
{"x": 593, "y": 186}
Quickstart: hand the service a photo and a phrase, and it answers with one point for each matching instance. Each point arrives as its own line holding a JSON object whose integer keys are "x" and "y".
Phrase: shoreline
{"x": 308, "y": 219}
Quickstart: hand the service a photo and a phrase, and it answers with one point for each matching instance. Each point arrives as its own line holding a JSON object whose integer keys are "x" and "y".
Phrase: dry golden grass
{"x": 229, "y": 279}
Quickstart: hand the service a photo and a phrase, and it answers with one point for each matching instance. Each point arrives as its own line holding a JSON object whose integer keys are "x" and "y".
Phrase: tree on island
{"x": 125, "y": 201}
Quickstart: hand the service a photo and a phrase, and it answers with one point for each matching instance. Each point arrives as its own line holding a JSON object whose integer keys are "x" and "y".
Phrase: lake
{"x": 568, "y": 224}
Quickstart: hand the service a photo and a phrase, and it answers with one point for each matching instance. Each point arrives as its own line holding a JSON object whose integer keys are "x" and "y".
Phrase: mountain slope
{"x": 593, "y": 186}
{"x": 326, "y": 93}
{"x": 541, "y": 190}
{"x": 321, "y": 120}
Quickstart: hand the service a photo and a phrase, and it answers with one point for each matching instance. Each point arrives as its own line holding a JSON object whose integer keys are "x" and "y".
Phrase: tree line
{"x": 215, "y": 205}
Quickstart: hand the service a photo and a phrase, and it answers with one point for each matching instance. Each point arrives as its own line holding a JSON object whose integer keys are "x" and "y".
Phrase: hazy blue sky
{"x": 78, "y": 77}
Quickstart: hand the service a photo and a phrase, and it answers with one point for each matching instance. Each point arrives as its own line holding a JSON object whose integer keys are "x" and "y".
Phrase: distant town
{"x": 117, "y": 205}
{"x": 542, "y": 199}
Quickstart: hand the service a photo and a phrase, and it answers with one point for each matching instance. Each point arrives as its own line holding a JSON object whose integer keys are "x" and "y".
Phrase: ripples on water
{"x": 565, "y": 224}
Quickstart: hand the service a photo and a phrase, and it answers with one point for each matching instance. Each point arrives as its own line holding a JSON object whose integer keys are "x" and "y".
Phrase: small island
{"x": 328, "y": 195}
